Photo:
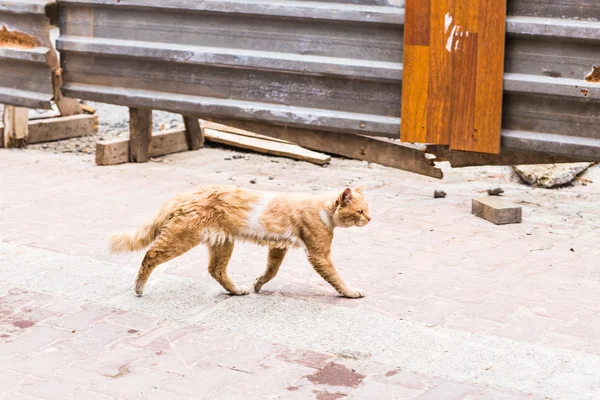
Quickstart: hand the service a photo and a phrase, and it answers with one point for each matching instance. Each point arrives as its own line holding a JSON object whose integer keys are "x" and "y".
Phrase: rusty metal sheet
{"x": 329, "y": 66}
{"x": 27, "y": 57}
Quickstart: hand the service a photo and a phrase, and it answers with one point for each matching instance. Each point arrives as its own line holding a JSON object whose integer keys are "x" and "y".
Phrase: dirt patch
{"x": 17, "y": 39}
{"x": 594, "y": 76}
{"x": 328, "y": 396}
{"x": 23, "y": 324}
{"x": 336, "y": 375}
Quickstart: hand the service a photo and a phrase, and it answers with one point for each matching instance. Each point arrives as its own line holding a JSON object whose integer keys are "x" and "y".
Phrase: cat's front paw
{"x": 241, "y": 291}
{"x": 258, "y": 285}
{"x": 355, "y": 294}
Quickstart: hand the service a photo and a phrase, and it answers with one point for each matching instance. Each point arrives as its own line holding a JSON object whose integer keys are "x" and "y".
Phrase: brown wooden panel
{"x": 413, "y": 127}
{"x": 440, "y": 73}
{"x": 464, "y": 79}
{"x": 463, "y": 105}
{"x": 416, "y": 22}
{"x": 485, "y": 135}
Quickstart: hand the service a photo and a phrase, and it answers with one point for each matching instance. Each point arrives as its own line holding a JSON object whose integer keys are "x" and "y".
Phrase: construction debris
{"x": 495, "y": 191}
{"x": 551, "y": 175}
{"x": 496, "y": 210}
{"x": 439, "y": 194}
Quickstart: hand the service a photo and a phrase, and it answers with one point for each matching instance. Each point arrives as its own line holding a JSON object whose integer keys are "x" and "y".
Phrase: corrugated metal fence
{"x": 328, "y": 66}
{"x": 27, "y": 57}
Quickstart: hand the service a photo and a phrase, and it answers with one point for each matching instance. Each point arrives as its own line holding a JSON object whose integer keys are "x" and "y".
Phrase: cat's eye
{"x": 360, "y": 211}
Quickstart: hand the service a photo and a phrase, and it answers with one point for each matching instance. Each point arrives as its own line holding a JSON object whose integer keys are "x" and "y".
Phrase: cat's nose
{"x": 368, "y": 218}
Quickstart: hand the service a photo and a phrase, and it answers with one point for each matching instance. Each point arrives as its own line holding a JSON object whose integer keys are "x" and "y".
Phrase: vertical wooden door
{"x": 453, "y": 73}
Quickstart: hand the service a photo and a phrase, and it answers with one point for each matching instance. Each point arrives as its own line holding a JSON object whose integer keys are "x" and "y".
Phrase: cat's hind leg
{"x": 274, "y": 261}
{"x": 165, "y": 247}
{"x": 219, "y": 256}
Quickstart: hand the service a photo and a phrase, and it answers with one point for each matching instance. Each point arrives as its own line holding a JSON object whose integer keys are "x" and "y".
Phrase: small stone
{"x": 237, "y": 157}
{"x": 495, "y": 191}
{"x": 439, "y": 194}
{"x": 271, "y": 178}
{"x": 227, "y": 159}
{"x": 253, "y": 181}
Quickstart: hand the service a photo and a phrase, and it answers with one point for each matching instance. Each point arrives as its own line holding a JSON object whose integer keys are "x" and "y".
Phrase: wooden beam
{"x": 240, "y": 132}
{"x": 140, "y": 134}
{"x": 266, "y": 146}
{"x": 66, "y": 105}
{"x": 16, "y": 126}
{"x": 385, "y": 152}
{"x": 116, "y": 151}
{"x": 59, "y": 128}
{"x": 193, "y": 133}
{"x": 459, "y": 159}
{"x": 496, "y": 210}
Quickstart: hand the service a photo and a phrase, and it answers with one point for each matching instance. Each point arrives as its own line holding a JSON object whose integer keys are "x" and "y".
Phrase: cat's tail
{"x": 133, "y": 241}
{"x": 143, "y": 237}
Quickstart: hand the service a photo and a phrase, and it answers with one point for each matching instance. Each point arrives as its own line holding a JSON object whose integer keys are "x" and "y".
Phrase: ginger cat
{"x": 219, "y": 215}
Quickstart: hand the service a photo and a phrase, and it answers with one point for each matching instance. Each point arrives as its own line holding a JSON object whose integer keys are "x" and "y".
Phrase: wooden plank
{"x": 140, "y": 134}
{"x": 240, "y": 132}
{"x": 459, "y": 159}
{"x": 416, "y": 17}
{"x": 59, "y": 128}
{"x": 16, "y": 126}
{"x": 465, "y": 51}
{"x": 66, "y": 105}
{"x": 440, "y": 72}
{"x": 496, "y": 210}
{"x": 193, "y": 133}
{"x": 376, "y": 150}
{"x": 413, "y": 127}
{"x": 464, "y": 76}
{"x": 485, "y": 136}
{"x": 259, "y": 145}
{"x": 112, "y": 152}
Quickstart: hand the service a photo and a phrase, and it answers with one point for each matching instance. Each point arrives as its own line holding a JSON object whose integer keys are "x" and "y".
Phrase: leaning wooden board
{"x": 453, "y": 73}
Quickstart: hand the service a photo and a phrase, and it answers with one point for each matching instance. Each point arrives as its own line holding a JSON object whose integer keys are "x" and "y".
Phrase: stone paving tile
{"x": 422, "y": 260}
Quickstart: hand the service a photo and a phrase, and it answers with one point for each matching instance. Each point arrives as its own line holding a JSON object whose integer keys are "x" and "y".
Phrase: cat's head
{"x": 352, "y": 209}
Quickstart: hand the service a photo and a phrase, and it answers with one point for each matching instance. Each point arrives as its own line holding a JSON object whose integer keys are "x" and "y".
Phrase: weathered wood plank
{"x": 140, "y": 134}
{"x": 59, "y": 128}
{"x": 496, "y": 210}
{"x": 459, "y": 159}
{"x": 16, "y": 126}
{"x": 266, "y": 146}
{"x": 240, "y": 132}
{"x": 112, "y": 152}
{"x": 380, "y": 151}
{"x": 193, "y": 133}
{"x": 66, "y": 105}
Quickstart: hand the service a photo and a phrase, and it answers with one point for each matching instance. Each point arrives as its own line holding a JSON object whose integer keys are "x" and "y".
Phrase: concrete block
{"x": 497, "y": 210}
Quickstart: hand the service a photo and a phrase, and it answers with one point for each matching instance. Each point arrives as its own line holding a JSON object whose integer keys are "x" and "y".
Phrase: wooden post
{"x": 140, "y": 134}
{"x": 16, "y": 126}
{"x": 193, "y": 133}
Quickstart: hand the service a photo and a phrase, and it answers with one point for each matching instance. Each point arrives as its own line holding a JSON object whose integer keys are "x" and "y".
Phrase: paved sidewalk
{"x": 456, "y": 307}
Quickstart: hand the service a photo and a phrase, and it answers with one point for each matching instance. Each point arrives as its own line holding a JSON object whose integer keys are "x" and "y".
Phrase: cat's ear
{"x": 359, "y": 189}
{"x": 346, "y": 196}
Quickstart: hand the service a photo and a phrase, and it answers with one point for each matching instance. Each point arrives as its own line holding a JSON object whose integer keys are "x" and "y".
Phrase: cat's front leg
{"x": 274, "y": 261}
{"x": 321, "y": 262}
